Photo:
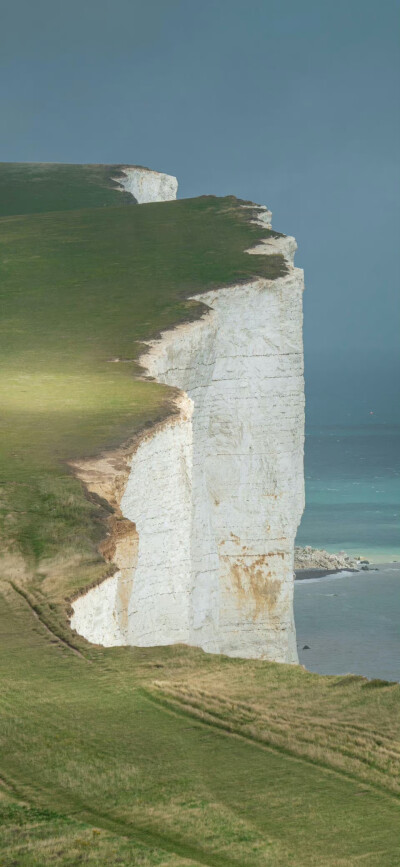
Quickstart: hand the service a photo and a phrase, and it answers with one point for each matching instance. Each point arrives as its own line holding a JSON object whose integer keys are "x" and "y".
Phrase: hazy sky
{"x": 293, "y": 104}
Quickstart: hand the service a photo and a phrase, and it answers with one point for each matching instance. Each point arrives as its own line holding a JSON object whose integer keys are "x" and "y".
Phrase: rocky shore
{"x": 314, "y": 558}
{"x": 314, "y": 562}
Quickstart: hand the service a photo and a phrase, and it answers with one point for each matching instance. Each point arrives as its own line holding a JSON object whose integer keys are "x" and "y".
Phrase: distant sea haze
{"x": 344, "y": 387}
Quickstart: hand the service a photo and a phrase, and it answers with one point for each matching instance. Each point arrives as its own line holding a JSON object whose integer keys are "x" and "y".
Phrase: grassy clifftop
{"x": 35, "y": 188}
{"x": 79, "y": 289}
{"x": 156, "y": 756}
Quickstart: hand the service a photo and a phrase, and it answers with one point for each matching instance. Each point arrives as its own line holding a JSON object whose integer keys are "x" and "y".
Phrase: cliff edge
{"x": 208, "y": 502}
{"x": 146, "y": 185}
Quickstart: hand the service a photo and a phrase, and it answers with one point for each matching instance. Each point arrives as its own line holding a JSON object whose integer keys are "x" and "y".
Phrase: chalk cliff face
{"x": 215, "y": 494}
{"x": 148, "y": 186}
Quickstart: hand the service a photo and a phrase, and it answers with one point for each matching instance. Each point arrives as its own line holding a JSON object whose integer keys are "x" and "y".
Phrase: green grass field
{"x": 159, "y": 756}
{"x": 33, "y": 188}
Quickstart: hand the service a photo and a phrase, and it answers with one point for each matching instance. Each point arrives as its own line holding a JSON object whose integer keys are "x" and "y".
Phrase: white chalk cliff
{"x": 214, "y": 494}
{"x": 148, "y": 186}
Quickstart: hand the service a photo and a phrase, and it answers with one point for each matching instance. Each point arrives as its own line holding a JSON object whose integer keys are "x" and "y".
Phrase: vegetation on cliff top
{"x": 35, "y": 188}
{"x": 157, "y": 756}
{"x": 79, "y": 289}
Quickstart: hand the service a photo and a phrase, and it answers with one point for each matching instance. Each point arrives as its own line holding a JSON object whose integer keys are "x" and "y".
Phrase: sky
{"x": 292, "y": 104}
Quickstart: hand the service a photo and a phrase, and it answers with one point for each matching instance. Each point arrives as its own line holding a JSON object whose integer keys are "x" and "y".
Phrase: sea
{"x": 350, "y": 622}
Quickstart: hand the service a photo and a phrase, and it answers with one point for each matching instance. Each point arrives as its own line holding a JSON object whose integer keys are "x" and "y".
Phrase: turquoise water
{"x": 353, "y": 491}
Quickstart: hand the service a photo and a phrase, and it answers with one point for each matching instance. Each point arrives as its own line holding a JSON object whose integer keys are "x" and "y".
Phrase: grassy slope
{"x": 219, "y": 761}
{"x": 32, "y": 188}
{"x": 91, "y": 739}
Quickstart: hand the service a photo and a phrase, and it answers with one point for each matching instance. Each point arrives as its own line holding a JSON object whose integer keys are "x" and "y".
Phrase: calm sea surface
{"x": 351, "y": 623}
{"x": 353, "y": 491}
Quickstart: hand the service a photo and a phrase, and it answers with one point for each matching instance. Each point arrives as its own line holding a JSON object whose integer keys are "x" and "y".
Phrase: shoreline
{"x": 307, "y": 574}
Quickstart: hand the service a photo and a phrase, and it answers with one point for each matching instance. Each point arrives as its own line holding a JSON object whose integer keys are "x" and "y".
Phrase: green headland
{"x": 158, "y": 756}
